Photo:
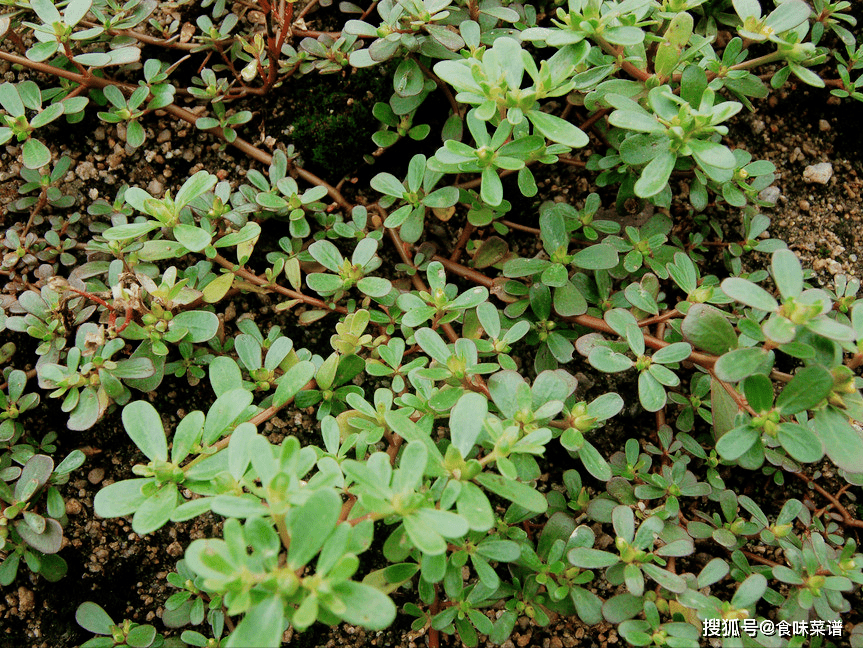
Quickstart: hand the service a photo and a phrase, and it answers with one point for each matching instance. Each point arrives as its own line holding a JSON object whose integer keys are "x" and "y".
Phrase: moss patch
{"x": 332, "y": 123}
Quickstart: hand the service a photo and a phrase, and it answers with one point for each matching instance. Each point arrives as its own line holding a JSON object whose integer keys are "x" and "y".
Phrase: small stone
{"x": 164, "y": 136}
{"x": 820, "y": 173}
{"x": 99, "y": 133}
{"x": 803, "y": 205}
{"x": 155, "y": 187}
{"x": 175, "y": 549}
{"x": 26, "y": 600}
{"x": 770, "y": 194}
{"x": 834, "y": 267}
{"x": 86, "y": 171}
{"x": 96, "y": 476}
{"x": 73, "y": 507}
{"x": 823, "y": 125}
{"x": 757, "y": 126}
{"x": 93, "y": 193}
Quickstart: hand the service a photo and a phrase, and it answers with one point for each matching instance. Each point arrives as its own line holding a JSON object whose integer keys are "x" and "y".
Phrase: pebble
{"x": 86, "y": 171}
{"x": 73, "y": 507}
{"x": 823, "y": 125}
{"x": 834, "y": 267}
{"x": 164, "y": 136}
{"x": 757, "y": 126}
{"x": 820, "y": 173}
{"x": 803, "y": 205}
{"x": 155, "y": 187}
{"x": 26, "y": 600}
{"x": 96, "y": 476}
{"x": 770, "y": 194}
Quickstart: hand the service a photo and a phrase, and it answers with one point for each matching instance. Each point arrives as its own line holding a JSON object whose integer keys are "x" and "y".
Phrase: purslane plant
{"x": 440, "y": 395}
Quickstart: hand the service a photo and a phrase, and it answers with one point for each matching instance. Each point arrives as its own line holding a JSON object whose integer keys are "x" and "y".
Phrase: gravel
{"x": 820, "y": 173}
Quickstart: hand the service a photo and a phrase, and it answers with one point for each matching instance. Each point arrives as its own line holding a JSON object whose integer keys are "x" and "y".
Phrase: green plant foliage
{"x": 462, "y": 429}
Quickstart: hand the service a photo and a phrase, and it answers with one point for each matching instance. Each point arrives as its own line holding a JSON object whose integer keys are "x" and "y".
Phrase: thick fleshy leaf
{"x": 466, "y": 420}
{"x": 144, "y": 427}
{"x": 120, "y": 498}
{"x": 807, "y": 389}
{"x": 843, "y": 443}
{"x": 156, "y": 510}
{"x": 517, "y": 492}
{"x": 557, "y": 129}
{"x": 93, "y": 618}
{"x": 750, "y": 294}
{"x": 707, "y": 328}
{"x": 787, "y": 273}
{"x": 365, "y": 606}
{"x": 201, "y": 325}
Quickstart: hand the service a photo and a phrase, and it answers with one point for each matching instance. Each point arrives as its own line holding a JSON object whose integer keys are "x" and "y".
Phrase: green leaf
{"x": 120, "y": 498}
{"x": 636, "y": 121}
{"x": 676, "y": 352}
{"x": 749, "y": 294}
{"x": 587, "y": 558}
{"x": 557, "y": 129}
{"x": 327, "y": 255}
{"x": 224, "y": 412}
{"x": 433, "y": 345}
{"x": 156, "y": 510}
{"x": 809, "y": 387}
{"x": 711, "y": 154}
{"x": 568, "y": 300}
{"x": 93, "y": 618}
{"x": 787, "y": 273}
{"x": 310, "y": 525}
{"x": 35, "y": 154}
{"x": 750, "y": 591}
{"x": 800, "y": 442}
{"x": 842, "y": 442}
{"x": 525, "y": 496}
{"x": 707, "y": 328}
{"x": 195, "y": 186}
{"x": 424, "y": 536}
{"x": 604, "y": 359}
{"x": 144, "y": 427}
{"x": 596, "y": 257}
{"x": 365, "y": 606}
{"x": 201, "y": 325}
{"x": 193, "y": 238}
{"x": 388, "y": 184}
{"x": 665, "y": 578}
{"x": 491, "y": 189}
{"x": 135, "y": 134}
{"x": 408, "y": 79}
{"x": 261, "y": 627}
{"x": 374, "y": 286}
{"x": 736, "y": 442}
{"x": 293, "y": 381}
{"x": 758, "y": 390}
{"x": 654, "y": 177}
{"x": 735, "y": 365}
{"x": 466, "y": 420}
{"x": 474, "y": 507}
{"x": 650, "y": 392}
{"x": 130, "y": 230}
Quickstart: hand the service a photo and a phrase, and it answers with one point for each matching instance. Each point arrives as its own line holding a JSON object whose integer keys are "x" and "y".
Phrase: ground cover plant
{"x": 455, "y": 474}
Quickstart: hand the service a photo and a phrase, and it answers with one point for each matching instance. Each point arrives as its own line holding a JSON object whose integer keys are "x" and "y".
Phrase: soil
{"x": 125, "y": 573}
